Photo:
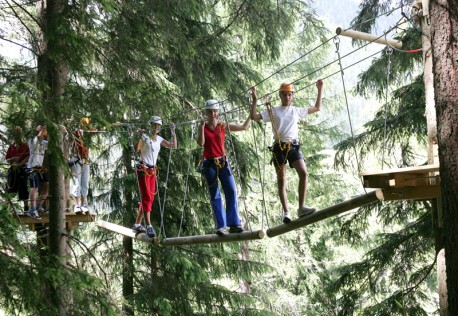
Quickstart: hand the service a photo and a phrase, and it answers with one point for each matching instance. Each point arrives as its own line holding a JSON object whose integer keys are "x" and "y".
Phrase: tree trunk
{"x": 444, "y": 30}
{"x": 52, "y": 72}
{"x": 431, "y": 123}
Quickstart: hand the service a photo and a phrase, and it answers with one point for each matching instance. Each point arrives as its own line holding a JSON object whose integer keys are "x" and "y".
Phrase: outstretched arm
{"x": 172, "y": 143}
{"x": 238, "y": 127}
{"x": 316, "y": 108}
{"x": 254, "y": 115}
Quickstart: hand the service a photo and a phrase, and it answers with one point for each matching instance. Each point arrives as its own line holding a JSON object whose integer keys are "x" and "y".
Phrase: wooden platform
{"x": 410, "y": 183}
{"x": 72, "y": 219}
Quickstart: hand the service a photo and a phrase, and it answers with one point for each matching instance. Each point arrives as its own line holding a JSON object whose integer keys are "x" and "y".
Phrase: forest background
{"x": 120, "y": 63}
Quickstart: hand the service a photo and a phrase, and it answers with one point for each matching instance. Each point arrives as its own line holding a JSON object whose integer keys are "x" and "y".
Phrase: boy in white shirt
{"x": 284, "y": 121}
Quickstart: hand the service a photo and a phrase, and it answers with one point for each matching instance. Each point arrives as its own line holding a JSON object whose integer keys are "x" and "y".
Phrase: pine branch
{"x": 17, "y": 44}
{"x": 22, "y": 22}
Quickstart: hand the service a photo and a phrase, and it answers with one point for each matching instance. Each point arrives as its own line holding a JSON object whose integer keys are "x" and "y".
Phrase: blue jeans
{"x": 231, "y": 216}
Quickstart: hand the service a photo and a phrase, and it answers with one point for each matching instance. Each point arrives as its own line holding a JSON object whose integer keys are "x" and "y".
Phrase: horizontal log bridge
{"x": 127, "y": 232}
{"x": 212, "y": 239}
{"x": 369, "y": 37}
{"x": 326, "y": 213}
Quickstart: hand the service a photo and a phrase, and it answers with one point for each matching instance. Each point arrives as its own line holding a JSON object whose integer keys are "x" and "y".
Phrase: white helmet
{"x": 155, "y": 119}
{"x": 212, "y": 105}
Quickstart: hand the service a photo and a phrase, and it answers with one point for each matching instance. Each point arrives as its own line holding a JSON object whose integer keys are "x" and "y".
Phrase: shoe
{"x": 35, "y": 215}
{"x": 42, "y": 211}
{"x": 305, "y": 210}
{"x": 221, "y": 231}
{"x": 84, "y": 209}
{"x": 138, "y": 229}
{"x": 286, "y": 218}
{"x": 77, "y": 209}
{"x": 150, "y": 231}
{"x": 235, "y": 229}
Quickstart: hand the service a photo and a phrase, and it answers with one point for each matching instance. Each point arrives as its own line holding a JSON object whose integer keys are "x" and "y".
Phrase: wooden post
{"x": 127, "y": 232}
{"x": 369, "y": 37}
{"x": 326, "y": 213}
{"x": 212, "y": 239}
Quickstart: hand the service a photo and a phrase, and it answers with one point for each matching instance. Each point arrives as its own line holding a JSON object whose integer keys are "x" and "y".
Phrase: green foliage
{"x": 405, "y": 123}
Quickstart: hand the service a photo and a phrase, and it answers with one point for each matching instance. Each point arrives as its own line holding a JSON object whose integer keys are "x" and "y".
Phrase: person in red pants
{"x": 148, "y": 147}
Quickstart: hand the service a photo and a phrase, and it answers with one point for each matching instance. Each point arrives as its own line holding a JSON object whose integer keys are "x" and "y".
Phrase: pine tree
{"x": 397, "y": 246}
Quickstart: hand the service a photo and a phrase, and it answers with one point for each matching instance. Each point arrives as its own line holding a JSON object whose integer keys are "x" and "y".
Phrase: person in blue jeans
{"x": 211, "y": 136}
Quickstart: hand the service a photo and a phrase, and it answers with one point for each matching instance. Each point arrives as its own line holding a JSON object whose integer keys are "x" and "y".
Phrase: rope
{"x": 183, "y": 204}
{"x": 312, "y": 50}
{"x": 162, "y": 208}
{"x": 389, "y": 51}
{"x": 132, "y": 149}
{"x": 261, "y": 176}
{"x": 337, "y": 41}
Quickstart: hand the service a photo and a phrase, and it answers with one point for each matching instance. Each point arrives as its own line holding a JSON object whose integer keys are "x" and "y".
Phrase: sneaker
{"x": 235, "y": 229}
{"x": 77, "y": 209}
{"x": 221, "y": 231}
{"x": 150, "y": 231}
{"x": 84, "y": 209}
{"x": 41, "y": 210}
{"x": 138, "y": 229}
{"x": 305, "y": 210}
{"x": 286, "y": 218}
{"x": 35, "y": 215}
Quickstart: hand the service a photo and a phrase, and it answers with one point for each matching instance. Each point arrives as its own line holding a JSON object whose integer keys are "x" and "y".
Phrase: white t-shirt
{"x": 150, "y": 149}
{"x": 285, "y": 119}
{"x": 37, "y": 150}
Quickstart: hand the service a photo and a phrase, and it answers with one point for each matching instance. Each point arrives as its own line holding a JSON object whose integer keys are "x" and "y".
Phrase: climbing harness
{"x": 284, "y": 147}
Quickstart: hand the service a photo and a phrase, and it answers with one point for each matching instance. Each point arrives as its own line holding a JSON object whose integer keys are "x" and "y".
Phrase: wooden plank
{"x": 410, "y": 179}
{"x": 213, "y": 238}
{"x": 326, "y": 213}
{"x": 382, "y": 181}
{"x": 412, "y": 193}
{"x": 416, "y": 169}
{"x": 127, "y": 232}
{"x": 69, "y": 217}
{"x": 401, "y": 177}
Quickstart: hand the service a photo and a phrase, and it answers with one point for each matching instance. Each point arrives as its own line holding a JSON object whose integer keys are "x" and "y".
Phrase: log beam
{"x": 326, "y": 213}
{"x": 369, "y": 37}
{"x": 127, "y": 232}
{"x": 213, "y": 238}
